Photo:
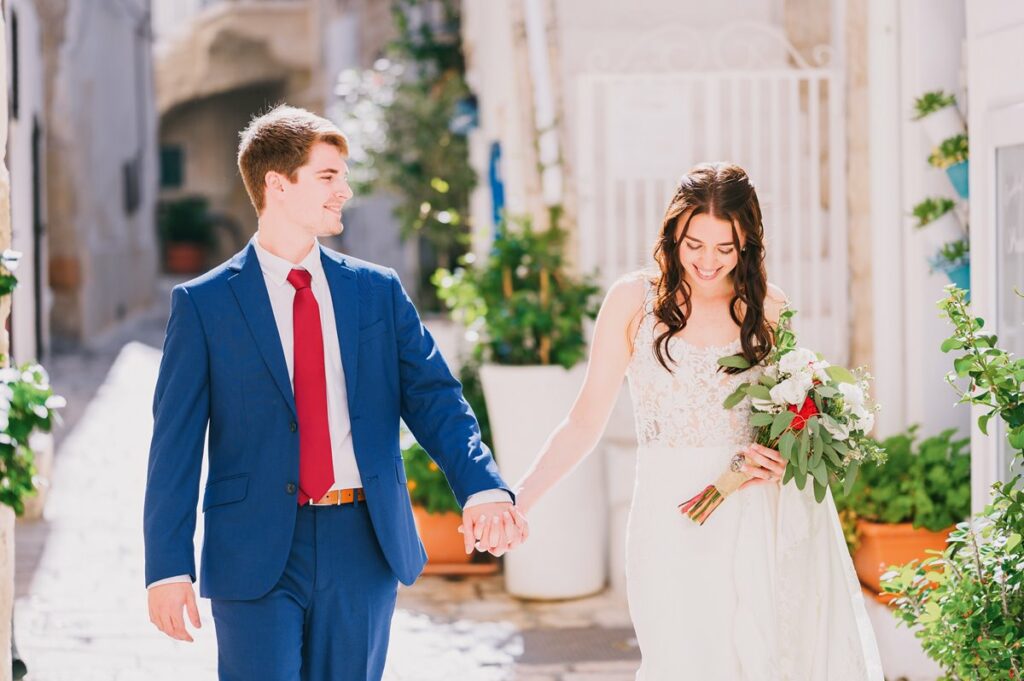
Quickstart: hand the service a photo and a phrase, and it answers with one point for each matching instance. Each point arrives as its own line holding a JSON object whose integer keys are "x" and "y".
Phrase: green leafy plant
{"x": 399, "y": 117}
{"x": 8, "y": 263}
{"x": 952, "y": 151}
{"x": 967, "y": 604}
{"x": 930, "y": 102}
{"x": 926, "y": 483}
{"x": 27, "y": 405}
{"x": 521, "y": 304}
{"x": 931, "y": 209}
{"x": 952, "y": 255}
{"x": 185, "y": 220}
{"x": 428, "y": 486}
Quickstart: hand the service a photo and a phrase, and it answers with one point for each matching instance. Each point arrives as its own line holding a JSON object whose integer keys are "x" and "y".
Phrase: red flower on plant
{"x": 805, "y": 412}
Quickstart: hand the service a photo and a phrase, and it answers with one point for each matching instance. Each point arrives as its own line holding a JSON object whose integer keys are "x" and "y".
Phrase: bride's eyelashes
{"x": 696, "y": 247}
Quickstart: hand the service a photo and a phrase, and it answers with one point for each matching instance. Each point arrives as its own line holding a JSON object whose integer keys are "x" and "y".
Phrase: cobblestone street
{"x": 80, "y": 612}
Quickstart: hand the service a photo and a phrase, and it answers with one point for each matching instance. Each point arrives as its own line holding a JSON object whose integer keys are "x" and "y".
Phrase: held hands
{"x": 766, "y": 465}
{"x": 165, "y": 604}
{"x": 495, "y": 528}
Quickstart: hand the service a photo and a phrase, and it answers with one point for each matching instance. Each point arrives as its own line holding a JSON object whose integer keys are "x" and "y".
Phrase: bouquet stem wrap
{"x": 700, "y": 507}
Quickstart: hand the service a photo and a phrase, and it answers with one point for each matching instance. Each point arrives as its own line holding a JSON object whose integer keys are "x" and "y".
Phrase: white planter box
{"x": 942, "y": 124}
{"x": 566, "y": 555}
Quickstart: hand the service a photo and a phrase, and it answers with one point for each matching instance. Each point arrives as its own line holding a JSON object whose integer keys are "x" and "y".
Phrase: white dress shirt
{"x": 282, "y": 295}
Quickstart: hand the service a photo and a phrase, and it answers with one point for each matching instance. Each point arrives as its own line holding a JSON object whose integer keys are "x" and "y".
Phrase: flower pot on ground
{"x": 527, "y": 313}
{"x": 885, "y": 544}
{"x": 434, "y": 507}
{"x": 909, "y": 504}
{"x": 184, "y": 258}
{"x": 566, "y": 555}
{"x": 939, "y": 115}
{"x": 441, "y": 537}
{"x": 186, "y": 232}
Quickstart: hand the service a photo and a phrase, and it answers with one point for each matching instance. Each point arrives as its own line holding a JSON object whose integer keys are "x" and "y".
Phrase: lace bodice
{"x": 684, "y": 408}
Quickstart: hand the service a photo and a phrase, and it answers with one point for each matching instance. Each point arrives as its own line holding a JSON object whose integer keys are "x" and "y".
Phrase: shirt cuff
{"x": 171, "y": 580}
{"x": 490, "y": 496}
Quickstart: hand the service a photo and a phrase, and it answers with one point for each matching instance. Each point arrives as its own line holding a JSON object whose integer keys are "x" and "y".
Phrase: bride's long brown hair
{"x": 723, "y": 191}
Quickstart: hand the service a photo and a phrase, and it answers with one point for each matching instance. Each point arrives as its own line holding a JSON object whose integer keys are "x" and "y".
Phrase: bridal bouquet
{"x": 815, "y": 414}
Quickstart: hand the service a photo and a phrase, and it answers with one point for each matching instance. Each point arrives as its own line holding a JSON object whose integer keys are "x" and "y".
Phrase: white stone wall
{"x": 913, "y": 48}
{"x": 101, "y": 116}
{"x": 20, "y": 132}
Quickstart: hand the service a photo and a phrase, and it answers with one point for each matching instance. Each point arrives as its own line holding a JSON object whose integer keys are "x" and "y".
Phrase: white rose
{"x": 819, "y": 371}
{"x": 797, "y": 360}
{"x": 839, "y": 431}
{"x": 866, "y": 423}
{"x": 791, "y": 391}
{"x": 852, "y": 395}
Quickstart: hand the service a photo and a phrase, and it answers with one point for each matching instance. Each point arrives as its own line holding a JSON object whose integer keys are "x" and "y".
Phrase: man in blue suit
{"x": 301, "y": 362}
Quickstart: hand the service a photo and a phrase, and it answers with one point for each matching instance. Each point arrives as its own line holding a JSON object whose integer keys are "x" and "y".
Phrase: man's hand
{"x": 496, "y": 528}
{"x": 165, "y": 604}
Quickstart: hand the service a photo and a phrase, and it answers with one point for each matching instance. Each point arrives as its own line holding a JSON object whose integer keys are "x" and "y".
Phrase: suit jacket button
{"x": 293, "y": 426}
{"x": 290, "y": 488}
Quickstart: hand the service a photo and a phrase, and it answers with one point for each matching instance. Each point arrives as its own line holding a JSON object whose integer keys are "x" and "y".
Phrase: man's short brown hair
{"x": 280, "y": 140}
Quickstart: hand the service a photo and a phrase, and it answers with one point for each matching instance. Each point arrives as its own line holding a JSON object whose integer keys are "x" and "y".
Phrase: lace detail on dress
{"x": 684, "y": 408}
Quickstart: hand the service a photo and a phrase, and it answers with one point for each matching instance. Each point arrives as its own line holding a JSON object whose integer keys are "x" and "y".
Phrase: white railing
{"x": 765, "y": 109}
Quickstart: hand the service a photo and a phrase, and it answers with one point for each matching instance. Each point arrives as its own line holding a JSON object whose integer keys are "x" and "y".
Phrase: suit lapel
{"x": 251, "y": 292}
{"x": 345, "y": 300}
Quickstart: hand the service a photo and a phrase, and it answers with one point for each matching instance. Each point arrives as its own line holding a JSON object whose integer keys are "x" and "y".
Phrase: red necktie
{"x": 316, "y": 468}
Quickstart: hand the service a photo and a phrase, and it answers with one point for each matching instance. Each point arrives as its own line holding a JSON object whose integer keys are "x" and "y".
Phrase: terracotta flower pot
{"x": 441, "y": 537}
{"x": 885, "y": 544}
{"x": 184, "y": 258}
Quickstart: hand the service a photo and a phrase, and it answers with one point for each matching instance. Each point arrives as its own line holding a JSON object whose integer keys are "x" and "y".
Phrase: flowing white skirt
{"x": 764, "y": 591}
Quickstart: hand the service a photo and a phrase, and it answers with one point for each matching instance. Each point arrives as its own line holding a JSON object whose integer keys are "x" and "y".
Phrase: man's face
{"x": 316, "y": 198}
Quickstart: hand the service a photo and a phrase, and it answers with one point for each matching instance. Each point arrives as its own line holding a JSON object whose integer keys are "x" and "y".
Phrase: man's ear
{"x": 273, "y": 182}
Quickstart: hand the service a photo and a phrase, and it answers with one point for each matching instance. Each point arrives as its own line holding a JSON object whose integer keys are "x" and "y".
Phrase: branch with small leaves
{"x": 966, "y": 604}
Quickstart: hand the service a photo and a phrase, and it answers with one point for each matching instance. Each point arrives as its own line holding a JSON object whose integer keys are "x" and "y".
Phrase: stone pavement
{"x": 80, "y": 611}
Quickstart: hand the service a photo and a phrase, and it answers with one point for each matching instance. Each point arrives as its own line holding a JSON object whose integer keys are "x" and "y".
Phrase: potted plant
{"x": 938, "y": 112}
{"x": 526, "y": 314}
{"x": 951, "y": 155}
{"x": 908, "y": 505}
{"x": 437, "y": 513}
{"x": 939, "y": 216}
{"x": 186, "y": 230}
{"x": 954, "y": 258}
{"x": 966, "y": 604}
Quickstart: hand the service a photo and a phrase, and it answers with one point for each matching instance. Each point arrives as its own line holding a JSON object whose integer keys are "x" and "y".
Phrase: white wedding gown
{"x": 765, "y": 589}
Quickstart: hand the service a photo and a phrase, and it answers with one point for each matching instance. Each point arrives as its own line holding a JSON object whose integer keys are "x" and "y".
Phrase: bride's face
{"x": 707, "y": 252}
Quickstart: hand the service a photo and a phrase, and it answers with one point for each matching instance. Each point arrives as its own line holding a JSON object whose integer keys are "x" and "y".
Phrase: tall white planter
{"x": 566, "y": 555}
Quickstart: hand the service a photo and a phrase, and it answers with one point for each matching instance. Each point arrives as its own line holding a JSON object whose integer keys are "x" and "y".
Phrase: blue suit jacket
{"x": 223, "y": 367}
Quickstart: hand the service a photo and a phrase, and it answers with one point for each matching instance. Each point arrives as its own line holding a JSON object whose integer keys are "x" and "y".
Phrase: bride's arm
{"x": 581, "y": 429}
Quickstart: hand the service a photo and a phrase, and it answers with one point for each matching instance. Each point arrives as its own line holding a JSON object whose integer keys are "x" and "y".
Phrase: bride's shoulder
{"x": 631, "y": 289}
{"x": 626, "y": 296}
{"x": 774, "y": 301}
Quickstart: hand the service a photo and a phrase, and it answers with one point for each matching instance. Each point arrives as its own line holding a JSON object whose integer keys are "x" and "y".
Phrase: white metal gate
{"x": 767, "y": 109}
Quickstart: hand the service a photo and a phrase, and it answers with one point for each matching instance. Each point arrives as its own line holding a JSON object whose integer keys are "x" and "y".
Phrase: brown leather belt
{"x": 338, "y": 497}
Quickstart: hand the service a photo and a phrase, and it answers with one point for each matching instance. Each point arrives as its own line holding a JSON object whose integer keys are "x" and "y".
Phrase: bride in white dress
{"x": 765, "y": 589}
